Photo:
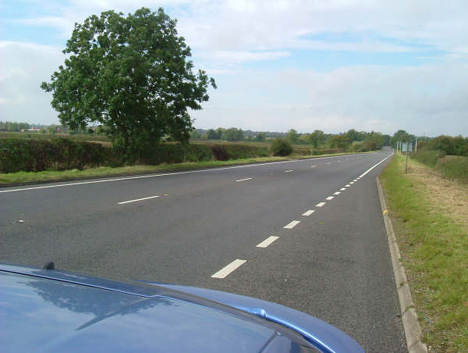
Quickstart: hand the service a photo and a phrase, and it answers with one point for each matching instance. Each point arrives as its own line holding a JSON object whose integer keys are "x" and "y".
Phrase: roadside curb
{"x": 408, "y": 312}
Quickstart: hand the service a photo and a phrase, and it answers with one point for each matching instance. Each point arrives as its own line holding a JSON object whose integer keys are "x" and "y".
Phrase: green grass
{"x": 435, "y": 253}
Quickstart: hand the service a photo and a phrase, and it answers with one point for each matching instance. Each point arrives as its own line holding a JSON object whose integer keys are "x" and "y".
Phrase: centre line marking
{"x": 337, "y": 193}
{"x": 330, "y": 198}
{"x": 347, "y": 186}
{"x": 225, "y": 271}
{"x": 289, "y": 171}
{"x": 321, "y": 204}
{"x": 355, "y": 180}
{"x": 136, "y": 200}
{"x": 328, "y": 163}
{"x": 245, "y": 179}
{"x": 292, "y": 224}
{"x": 313, "y": 166}
{"x": 351, "y": 183}
{"x": 343, "y": 189}
{"x": 308, "y": 213}
{"x": 267, "y": 242}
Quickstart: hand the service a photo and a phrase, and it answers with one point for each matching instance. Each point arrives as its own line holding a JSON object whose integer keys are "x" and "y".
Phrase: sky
{"x": 332, "y": 65}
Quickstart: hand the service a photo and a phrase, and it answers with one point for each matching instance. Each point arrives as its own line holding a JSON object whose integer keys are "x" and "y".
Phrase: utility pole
{"x": 416, "y": 146}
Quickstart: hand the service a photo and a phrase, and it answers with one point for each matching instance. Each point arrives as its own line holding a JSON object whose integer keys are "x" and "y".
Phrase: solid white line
{"x": 330, "y": 198}
{"x": 308, "y": 213}
{"x": 368, "y": 170}
{"x": 225, "y": 271}
{"x": 239, "y": 180}
{"x": 136, "y": 200}
{"x": 321, "y": 204}
{"x": 146, "y": 176}
{"x": 343, "y": 189}
{"x": 289, "y": 171}
{"x": 337, "y": 193}
{"x": 267, "y": 242}
{"x": 292, "y": 225}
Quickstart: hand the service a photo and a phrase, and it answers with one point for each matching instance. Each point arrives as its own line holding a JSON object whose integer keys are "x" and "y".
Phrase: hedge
{"x": 31, "y": 155}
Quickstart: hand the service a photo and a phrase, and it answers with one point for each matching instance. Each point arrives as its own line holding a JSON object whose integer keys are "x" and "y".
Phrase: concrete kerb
{"x": 408, "y": 313}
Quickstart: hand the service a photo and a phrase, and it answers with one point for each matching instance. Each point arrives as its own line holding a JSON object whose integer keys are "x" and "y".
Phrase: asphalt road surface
{"x": 308, "y": 234}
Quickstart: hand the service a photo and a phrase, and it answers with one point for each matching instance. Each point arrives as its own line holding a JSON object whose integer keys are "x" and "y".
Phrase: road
{"x": 308, "y": 234}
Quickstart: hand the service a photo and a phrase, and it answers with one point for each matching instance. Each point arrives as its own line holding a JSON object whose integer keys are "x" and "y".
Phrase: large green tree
{"x": 131, "y": 74}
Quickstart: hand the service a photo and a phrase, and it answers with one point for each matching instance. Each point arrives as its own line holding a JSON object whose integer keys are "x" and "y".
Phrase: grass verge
{"x": 19, "y": 178}
{"x": 434, "y": 249}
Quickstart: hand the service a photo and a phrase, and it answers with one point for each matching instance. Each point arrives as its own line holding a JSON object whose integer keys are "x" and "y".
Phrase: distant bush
{"x": 318, "y": 152}
{"x": 454, "y": 167}
{"x": 428, "y": 156}
{"x": 281, "y": 147}
{"x": 57, "y": 154}
{"x": 34, "y": 155}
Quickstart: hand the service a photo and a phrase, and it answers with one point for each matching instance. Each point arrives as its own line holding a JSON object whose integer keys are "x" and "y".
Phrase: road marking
{"x": 267, "y": 242}
{"x": 328, "y": 163}
{"x": 292, "y": 225}
{"x": 289, "y": 171}
{"x": 225, "y": 271}
{"x": 245, "y": 179}
{"x": 343, "y": 189}
{"x": 368, "y": 170}
{"x": 347, "y": 186}
{"x": 313, "y": 166}
{"x": 351, "y": 183}
{"x": 136, "y": 200}
{"x": 339, "y": 161}
{"x": 337, "y": 193}
{"x": 330, "y": 198}
{"x": 308, "y": 213}
{"x": 147, "y": 176}
{"x": 321, "y": 204}
{"x": 355, "y": 180}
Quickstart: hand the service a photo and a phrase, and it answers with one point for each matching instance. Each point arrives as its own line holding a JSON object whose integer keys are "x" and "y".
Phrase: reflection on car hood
{"x": 52, "y": 311}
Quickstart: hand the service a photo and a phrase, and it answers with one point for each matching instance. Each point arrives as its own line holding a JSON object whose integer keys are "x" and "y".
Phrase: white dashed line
{"x": 330, "y": 198}
{"x": 224, "y": 272}
{"x": 347, "y": 186}
{"x": 367, "y": 171}
{"x": 136, "y": 200}
{"x": 267, "y": 242}
{"x": 321, "y": 204}
{"x": 289, "y": 171}
{"x": 351, "y": 183}
{"x": 355, "y": 180}
{"x": 328, "y": 163}
{"x": 245, "y": 179}
{"x": 313, "y": 166}
{"x": 343, "y": 189}
{"x": 337, "y": 193}
{"x": 292, "y": 225}
{"x": 308, "y": 213}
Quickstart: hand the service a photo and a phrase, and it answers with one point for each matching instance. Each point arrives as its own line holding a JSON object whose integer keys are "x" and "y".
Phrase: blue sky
{"x": 331, "y": 65}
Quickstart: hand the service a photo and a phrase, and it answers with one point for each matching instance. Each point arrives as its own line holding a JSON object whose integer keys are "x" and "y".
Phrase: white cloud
{"x": 24, "y": 66}
{"x": 427, "y": 100}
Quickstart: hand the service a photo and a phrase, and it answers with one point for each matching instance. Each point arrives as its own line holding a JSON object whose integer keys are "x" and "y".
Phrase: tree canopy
{"x": 132, "y": 75}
